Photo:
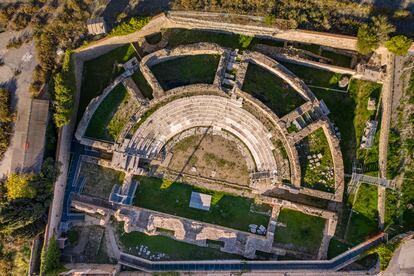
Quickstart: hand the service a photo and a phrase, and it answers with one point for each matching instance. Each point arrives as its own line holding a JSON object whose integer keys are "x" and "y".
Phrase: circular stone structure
{"x": 219, "y": 113}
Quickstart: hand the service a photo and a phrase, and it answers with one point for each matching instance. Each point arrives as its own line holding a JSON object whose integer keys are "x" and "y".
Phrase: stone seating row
{"x": 196, "y": 111}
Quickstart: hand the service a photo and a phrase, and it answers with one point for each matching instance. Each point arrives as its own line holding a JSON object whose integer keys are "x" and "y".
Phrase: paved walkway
{"x": 334, "y": 264}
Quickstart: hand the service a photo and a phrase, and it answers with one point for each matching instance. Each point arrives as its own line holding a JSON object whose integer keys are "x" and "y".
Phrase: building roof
{"x": 96, "y": 25}
{"x": 200, "y": 201}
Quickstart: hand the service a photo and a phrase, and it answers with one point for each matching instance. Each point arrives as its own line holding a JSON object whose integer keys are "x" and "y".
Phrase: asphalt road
{"x": 22, "y": 59}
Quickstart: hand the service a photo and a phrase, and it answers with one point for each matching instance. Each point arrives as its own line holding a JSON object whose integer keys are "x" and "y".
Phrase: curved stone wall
{"x": 216, "y": 112}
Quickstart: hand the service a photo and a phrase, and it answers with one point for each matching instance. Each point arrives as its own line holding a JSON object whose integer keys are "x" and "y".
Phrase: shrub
{"x": 133, "y": 25}
{"x": 399, "y": 44}
{"x": 64, "y": 90}
{"x": 245, "y": 40}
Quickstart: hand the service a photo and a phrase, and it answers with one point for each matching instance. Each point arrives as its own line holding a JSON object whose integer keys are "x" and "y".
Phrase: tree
{"x": 18, "y": 186}
{"x": 367, "y": 40}
{"x": 5, "y": 114}
{"x": 382, "y": 28}
{"x": 50, "y": 259}
{"x": 399, "y": 44}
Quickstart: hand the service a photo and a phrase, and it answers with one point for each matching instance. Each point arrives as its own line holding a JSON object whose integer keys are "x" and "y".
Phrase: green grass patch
{"x": 336, "y": 247}
{"x": 313, "y": 76}
{"x": 271, "y": 90}
{"x": 384, "y": 252}
{"x": 303, "y": 231}
{"x": 364, "y": 220}
{"x": 391, "y": 210}
{"x": 174, "y": 198}
{"x": 338, "y": 59}
{"x": 133, "y": 25}
{"x": 393, "y": 154}
{"x": 142, "y": 84}
{"x": 98, "y": 73}
{"x": 316, "y": 177}
{"x": 99, "y": 126}
{"x": 186, "y": 70}
{"x": 174, "y": 250}
{"x": 349, "y": 113}
{"x": 407, "y": 201}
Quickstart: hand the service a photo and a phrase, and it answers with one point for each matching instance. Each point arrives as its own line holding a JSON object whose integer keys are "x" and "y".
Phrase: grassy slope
{"x": 364, "y": 220}
{"x": 98, "y": 125}
{"x": 302, "y": 230}
{"x": 186, "y": 70}
{"x": 99, "y": 72}
{"x": 174, "y": 198}
{"x": 271, "y": 90}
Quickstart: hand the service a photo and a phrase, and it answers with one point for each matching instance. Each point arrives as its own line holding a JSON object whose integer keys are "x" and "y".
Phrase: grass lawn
{"x": 309, "y": 47}
{"x": 186, "y": 70}
{"x": 338, "y": 59}
{"x": 391, "y": 209}
{"x": 174, "y": 250}
{"x": 271, "y": 90}
{"x": 364, "y": 220}
{"x": 142, "y": 84}
{"x": 336, "y": 247}
{"x": 174, "y": 198}
{"x": 99, "y": 180}
{"x": 313, "y": 76}
{"x": 349, "y": 113}
{"x": 99, "y": 72}
{"x": 99, "y": 125}
{"x": 303, "y": 231}
{"x": 316, "y": 177}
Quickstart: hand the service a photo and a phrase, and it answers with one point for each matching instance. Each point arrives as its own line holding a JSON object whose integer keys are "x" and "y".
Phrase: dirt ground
{"x": 210, "y": 156}
{"x": 99, "y": 180}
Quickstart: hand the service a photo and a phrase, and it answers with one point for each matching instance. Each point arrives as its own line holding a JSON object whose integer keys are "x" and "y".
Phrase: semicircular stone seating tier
{"x": 206, "y": 110}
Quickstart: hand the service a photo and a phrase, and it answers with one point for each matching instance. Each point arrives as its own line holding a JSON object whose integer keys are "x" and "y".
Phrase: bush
{"x": 133, "y": 25}
{"x": 64, "y": 91}
{"x": 399, "y": 44}
{"x": 385, "y": 252}
{"x": 245, "y": 40}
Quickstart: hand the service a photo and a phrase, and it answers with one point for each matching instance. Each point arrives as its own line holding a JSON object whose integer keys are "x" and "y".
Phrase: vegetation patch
{"x": 364, "y": 216}
{"x": 186, "y": 70}
{"x": 349, "y": 113}
{"x": 167, "y": 248}
{"x": 316, "y": 162}
{"x": 315, "y": 77}
{"x": 99, "y": 180}
{"x": 6, "y": 117}
{"x": 133, "y": 25}
{"x": 271, "y": 90}
{"x": 300, "y": 231}
{"x": 98, "y": 73}
{"x": 337, "y": 58}
{"x": 104, "y": 125}
{"x": 142, "y": 84}
{"x": 153, "y": 38}
{"x": 384, "y": 252}
{"x": 174, "y": 198}
{"x": 336, "y": 247}
{"x": 393, "y": 154}
{"x": 64, "y": 87}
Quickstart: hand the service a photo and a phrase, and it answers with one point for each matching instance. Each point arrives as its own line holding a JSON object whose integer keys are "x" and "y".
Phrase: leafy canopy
{"x": 399, "y": 44}
{"x": 18, "y": 186}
